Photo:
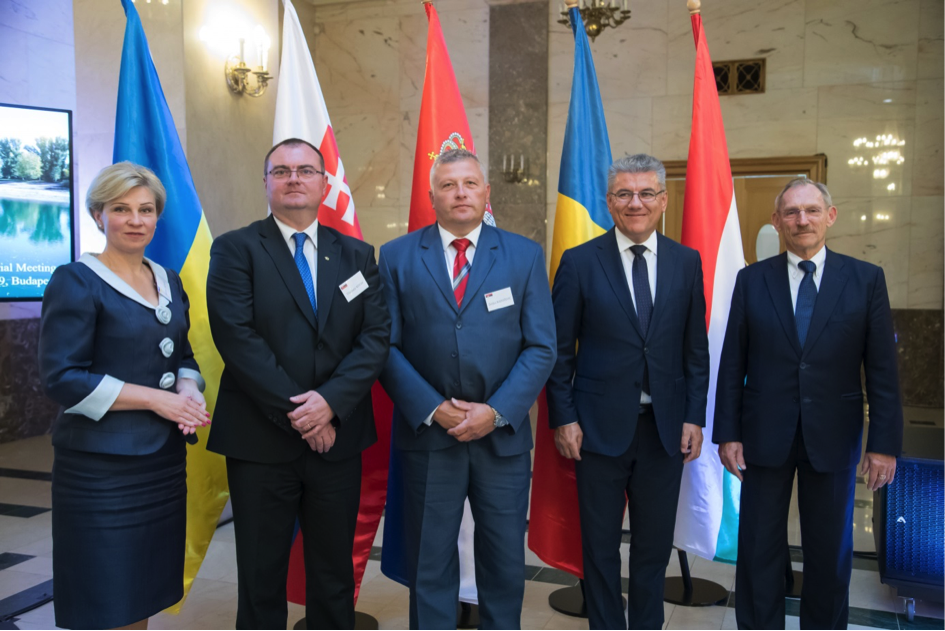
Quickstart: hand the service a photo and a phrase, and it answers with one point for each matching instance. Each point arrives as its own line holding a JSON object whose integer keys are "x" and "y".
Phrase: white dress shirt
{"x": 449, "y": 253}
{"x": 310, "y": 250}
{"x": 796, "y": 274}
{"x": 626, "y": 256}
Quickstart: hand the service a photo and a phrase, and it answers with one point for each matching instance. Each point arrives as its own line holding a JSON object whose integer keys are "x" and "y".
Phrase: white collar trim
{"x": 116, "y": 283}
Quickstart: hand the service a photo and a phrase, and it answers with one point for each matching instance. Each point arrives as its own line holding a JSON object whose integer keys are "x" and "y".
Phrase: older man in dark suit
{"x": 789, "y": 399}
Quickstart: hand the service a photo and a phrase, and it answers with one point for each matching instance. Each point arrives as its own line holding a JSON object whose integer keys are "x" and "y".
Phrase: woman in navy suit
{"x": 114, "y": 353}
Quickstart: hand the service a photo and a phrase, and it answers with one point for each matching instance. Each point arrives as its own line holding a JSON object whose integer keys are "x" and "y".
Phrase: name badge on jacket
{"x": 353, "y": 287}
{"x": 499, "y": 299}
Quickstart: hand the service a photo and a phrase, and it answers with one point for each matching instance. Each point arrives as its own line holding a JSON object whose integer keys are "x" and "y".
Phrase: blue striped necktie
{"x": 304, "y": 270}
{"x": 806, "y": 296}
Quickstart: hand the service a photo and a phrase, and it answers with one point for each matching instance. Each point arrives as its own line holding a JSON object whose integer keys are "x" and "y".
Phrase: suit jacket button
{"x": 645, "y": 350}
{"x": 167, "y": 347}
{"x": 320, "y": 346}
{"x": 455, "y": 384}
{"x": 167, "y": 380}
{"x": 453, "y": 354}
{"x": 459, "y": 324}
{"x": 806, "y": 399}
{"x": 803, "y": 366}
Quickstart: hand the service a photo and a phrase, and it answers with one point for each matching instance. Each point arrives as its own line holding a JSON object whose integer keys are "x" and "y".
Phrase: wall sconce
{"x": 241, "y": 78}
{"x": 514, "y": 174}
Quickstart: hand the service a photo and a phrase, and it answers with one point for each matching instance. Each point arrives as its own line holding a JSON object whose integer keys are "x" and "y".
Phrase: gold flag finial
{"x": 694, "y": 6}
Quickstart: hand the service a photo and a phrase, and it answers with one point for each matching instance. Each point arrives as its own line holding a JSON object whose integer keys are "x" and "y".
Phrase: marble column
{"x": 518, "y": 114}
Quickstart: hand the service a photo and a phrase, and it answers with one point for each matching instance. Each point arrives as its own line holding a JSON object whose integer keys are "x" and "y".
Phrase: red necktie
{"x": 460, "y": 269}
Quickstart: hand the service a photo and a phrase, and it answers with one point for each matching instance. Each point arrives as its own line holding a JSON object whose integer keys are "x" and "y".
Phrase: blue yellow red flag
{"x": 581, "y": 214}
{"x": 145, "y": 134}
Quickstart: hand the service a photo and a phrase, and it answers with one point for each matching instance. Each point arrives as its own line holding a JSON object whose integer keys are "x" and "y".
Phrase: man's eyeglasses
{"x": 303, "y": 173}
{"x": 793, "y": 214}
{"x": 647, "y": 196}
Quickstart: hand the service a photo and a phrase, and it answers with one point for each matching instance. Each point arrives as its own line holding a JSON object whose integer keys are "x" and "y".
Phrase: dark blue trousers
{"x": 825, "y": 503}
{"x": 436, "y": 486}
{"x": 648, "y": 478}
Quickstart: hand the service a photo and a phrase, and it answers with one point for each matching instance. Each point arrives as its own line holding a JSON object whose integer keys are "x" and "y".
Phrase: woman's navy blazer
{"x": 96, "y": 334}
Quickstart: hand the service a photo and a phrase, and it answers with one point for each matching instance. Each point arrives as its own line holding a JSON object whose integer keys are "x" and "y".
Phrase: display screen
{"x": 36, "y": 198}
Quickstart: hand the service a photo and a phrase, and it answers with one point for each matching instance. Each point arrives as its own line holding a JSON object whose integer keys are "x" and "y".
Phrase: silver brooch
{"x": 167, "y": 380}
{"x": 163, "y": 314}
{"x": 167, "y": 346}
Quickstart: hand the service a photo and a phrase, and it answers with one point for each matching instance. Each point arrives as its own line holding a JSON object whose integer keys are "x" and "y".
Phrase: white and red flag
{"x": 301, "y": 113}
{"x": 707, "y": 513}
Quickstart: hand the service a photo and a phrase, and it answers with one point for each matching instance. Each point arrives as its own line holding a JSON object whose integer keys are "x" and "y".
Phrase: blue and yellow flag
{"x": 554, "y": 533}
{"x": 145, "y": 134}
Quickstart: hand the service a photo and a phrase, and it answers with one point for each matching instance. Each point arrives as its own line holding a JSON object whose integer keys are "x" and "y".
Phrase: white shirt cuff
{"x": 190, "y": 373}
{"x": 429, "y": 419}
{"x": 100, "y": 400}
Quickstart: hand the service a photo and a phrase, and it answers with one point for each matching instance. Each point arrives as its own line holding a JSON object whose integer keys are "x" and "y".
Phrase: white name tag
{"x": 499, "y": 299}
{"x": 353, "y": 287}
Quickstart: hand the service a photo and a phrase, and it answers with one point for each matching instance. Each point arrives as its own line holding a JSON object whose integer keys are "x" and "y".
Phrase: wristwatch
{"x": 500, "y": 421}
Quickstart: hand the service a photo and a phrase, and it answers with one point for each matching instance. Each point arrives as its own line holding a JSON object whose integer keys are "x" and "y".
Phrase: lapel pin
{"x": 326, "y": 258}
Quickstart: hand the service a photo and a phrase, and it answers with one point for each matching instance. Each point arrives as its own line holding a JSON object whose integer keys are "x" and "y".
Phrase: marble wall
{"x": 518, "y": 115}
{"x": 370, "y": 58}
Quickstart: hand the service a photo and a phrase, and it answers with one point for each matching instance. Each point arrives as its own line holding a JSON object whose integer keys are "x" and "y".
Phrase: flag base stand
{"x": 692, "y": 592}
{"x": 467, "y": 616}
{"x": 793, "y": 580}
{"x": 361, "y": 621}
{"x": 570, "y": 601}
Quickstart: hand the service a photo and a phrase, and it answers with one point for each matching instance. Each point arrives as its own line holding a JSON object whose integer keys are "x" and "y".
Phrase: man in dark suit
{"x": 472, "y": 343}
{"x": 627, "y": 396}
{"x": 789, "y": 399}
{"x": 298, "y": 316}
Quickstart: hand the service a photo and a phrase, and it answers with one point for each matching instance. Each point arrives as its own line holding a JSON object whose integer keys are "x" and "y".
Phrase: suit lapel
{"x": 278, "y": 250}
{"x": 329, "y": 262}
{"x": 482, "y": 264}
{"x": 431, "y": 252}
{"x": 665, "y": 277}
{"x": 831, "y": 286}
{"x": 776, "y": 278}
{"x": 611, "y": 261}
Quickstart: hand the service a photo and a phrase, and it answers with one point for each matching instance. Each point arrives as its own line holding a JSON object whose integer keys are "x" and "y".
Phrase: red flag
{"x": 301, "y": 113}
{"x": 442, "y": 124}
{"x": 707, "y": 514}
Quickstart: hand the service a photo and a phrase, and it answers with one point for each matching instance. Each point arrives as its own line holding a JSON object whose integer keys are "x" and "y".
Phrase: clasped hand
{"x": 186, "y": 407}
{"x": 312, "y": 419}
{"x": 465, "y": 421}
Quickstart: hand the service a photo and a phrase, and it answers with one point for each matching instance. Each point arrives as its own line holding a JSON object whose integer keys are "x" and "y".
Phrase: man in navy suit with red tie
{"x": 790, "y": 399}
{"x": 472, "y": 343}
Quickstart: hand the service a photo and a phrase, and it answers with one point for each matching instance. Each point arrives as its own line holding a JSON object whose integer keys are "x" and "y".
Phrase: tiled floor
{"x": 212, "y": 600}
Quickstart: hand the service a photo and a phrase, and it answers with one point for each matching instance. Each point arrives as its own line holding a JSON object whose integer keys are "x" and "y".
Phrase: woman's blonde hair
{"x": 114, "y": 181}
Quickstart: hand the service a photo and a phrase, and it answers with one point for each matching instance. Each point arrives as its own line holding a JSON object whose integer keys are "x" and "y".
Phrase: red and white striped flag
{"x": 301, "y": 113}
{"x": 707, "y": 513}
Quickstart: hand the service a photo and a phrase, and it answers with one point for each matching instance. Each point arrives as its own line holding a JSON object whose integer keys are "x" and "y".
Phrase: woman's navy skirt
{"x": 119, "y": 524}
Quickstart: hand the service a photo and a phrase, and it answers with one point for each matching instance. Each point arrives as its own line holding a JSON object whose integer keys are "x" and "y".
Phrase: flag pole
{"x": 684, "y": 589}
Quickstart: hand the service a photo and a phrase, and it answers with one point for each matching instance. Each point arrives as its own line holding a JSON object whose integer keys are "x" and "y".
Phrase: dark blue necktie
{"x": 806, "y": 296}
{"x": 304, "y": 270}
{"x": 644, "y": 300}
